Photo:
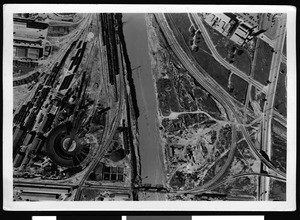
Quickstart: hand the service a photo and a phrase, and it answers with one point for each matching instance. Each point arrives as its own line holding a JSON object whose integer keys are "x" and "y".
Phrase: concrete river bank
{"x": 135, "y": 32}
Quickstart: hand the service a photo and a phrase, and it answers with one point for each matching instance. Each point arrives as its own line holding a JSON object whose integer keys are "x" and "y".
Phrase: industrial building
{"x": 223, "y": 23}
{"x": 63, "y": 150}
{"x": 29, "y": 42}
{"x": 58, "y": 31}
{"x": 250, "y": 19}
{"x": 232, "y": 26}
{"x": 242, "y": 34}
{"x": 103, "y": 172}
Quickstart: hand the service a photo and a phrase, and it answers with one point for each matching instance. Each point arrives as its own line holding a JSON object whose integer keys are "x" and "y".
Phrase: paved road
{"x": 270, "y": 96}
{"x": 50, "y": 62}
{"x": 220, "y": 59}
{"x": 278, "y": 117}
{"x": 202, "y": 189}
{"x": 210, "y": 86}
{"x": 233, "y": 144}
{"x": 253, "y": 66}
{"x": 275, "y": 60}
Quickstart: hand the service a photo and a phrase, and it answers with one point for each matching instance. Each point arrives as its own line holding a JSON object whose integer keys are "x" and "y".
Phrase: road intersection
{"x": 211, "y": 87}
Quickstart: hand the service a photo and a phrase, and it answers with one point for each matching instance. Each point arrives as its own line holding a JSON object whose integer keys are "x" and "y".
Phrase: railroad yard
{"x": 216, "y": 125}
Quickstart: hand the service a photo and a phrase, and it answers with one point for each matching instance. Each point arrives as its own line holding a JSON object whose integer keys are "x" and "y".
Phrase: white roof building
{"x": 220, "y": 22}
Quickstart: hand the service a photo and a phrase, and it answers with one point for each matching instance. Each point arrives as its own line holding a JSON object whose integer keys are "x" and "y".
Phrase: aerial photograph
{"x": 149, "y": 107}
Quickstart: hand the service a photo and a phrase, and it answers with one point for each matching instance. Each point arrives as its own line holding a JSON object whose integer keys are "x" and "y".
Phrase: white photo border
{"x": 9, "y": 204}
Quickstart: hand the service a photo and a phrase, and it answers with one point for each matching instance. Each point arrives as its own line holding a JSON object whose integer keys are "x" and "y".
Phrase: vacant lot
{"x": 20, "y": 93}
{"x": 241, "y": 59}
{"x": 206, "y": 61}
{"x": 277, "y": 190}
{"x": 183, "y": 24}
{"x": 167, "y": 96}
{"x": 178, "y": 180}
{"x": 240, "y": 87}
{"x": 278, "y": 153}
{"x": 19, "y": 70}
{"x": 278, "y": 128}
{"x": 263, "y": 62}
{"x": 90, "y": 194}
{"x": 270, "y": 24}
{"x": 280, "y": 95}
{"x": 210, "y": 106}
{"x": 243, "y": 186}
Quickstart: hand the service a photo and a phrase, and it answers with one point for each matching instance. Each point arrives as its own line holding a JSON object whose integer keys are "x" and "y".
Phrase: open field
{"x": 167, "y": 97}
{"x": 208, "y": 63}
{"x": 281, "y": 92}
{"x": 279, "y": 147}
{"x": 230, "y": 51}
{"x": 183, "y": 24}
{"x": 243, "y": 162}
{"x": 263, "y": 63}
{"x": 278, "y": 156}
{"x": 270, "y": 24}
{"x": 277, "y": 190}
{"x": 22, "y": 68}
{"x": 240, "y": 87}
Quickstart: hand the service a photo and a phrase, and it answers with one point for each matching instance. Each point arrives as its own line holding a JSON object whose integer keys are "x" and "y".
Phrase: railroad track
{"x": 211, "y": 87}
{"x": 110, "y": 132}
{"x": 202, "y": 189}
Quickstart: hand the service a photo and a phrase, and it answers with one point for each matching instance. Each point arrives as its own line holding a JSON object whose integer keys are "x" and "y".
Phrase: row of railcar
{"x": 79, "y": 59}
{"x": 109, "y": 39}
{"x": 57, "y": 67}
{"x": 27, "y": 80}
{"x": 76, "y": 60}
{"x": 62, "y": 62}
{"x": 49, "y": 117}
{"x": 53, "y": 75}
{"x": 25, "y": 109}
{"x": 21, "y": 115}
{"x": 113, "y": 41}
{"x": 42, "y": 97}
{"x": 27, "y": 115}
{"x": 18, "y": 137}
{"x": 66, "y": 82}
{"x": 30, "y": 120}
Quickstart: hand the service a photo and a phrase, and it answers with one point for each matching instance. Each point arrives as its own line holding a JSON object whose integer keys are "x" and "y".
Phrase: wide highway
{"x": 253, "y": 66}
{"x": 270, "y": 96}
{"x": 230, "y": 155}
{"x": 202, "y": 189}
{"x": 219, "y": 93}
{"x": 264, "y": 182}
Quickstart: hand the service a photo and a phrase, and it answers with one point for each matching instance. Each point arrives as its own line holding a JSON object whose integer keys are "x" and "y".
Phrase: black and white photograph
{"x": 149, "y": 108}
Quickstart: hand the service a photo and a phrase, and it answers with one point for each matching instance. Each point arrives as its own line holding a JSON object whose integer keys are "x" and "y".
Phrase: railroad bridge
{"x": 152, "y": 188}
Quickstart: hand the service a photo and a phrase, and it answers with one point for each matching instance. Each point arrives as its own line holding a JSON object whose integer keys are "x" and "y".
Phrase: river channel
{"x": 135, "y": 33}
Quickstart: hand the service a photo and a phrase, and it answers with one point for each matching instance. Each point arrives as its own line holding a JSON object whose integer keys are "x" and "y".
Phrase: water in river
{"x": 137, "y": 47}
